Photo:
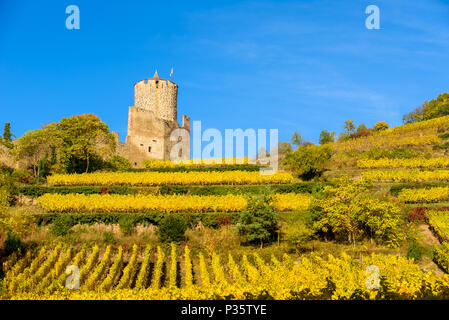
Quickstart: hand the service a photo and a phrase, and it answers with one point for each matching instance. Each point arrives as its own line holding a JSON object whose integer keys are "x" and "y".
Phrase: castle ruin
{"x": 151, "y": 121}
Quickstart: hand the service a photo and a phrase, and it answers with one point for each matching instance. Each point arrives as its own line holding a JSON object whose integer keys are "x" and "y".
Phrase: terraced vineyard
{"x": 107, "y": 274}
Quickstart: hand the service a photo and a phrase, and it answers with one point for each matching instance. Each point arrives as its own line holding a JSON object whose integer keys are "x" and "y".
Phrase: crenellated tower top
{"x": 157, "y": 95}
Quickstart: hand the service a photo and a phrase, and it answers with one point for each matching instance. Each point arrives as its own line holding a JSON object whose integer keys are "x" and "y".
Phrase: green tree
{"x": 172, "y": 228}
{"x": 326, "y": 137}
{"x": 308, "y": 161}
{"x": 349, "y": 127}
{"x": 258, "y": 222}
{"x": 85, "y": 137}
{"x": 7, "y": 135}
{"x": 35, "y": 144}
{"x": 73, "y": 142}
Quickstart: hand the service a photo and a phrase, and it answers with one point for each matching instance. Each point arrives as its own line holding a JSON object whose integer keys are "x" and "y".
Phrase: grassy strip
{"x": 215, "y": 219}
{"x": 35, "y": 191}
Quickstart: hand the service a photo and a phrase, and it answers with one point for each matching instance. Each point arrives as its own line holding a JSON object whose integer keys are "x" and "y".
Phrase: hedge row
{"x": 241, "y": 167}
{"x": 36, "y": 191}
{"x": 213, "y": 220}
{"x": 300, "y": 187}
{"x": 396, "y": 189}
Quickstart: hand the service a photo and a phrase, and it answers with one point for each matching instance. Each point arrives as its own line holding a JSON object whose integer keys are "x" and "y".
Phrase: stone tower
{"x": 151, "y": 121}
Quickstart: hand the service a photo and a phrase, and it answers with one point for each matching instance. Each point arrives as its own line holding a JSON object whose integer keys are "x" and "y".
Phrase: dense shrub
{"x": 172, "y": 228}
{"x": 8, "y": 186}
{"x": 444, "y": 136}
{"x": 308, "y": 162}
{"x": 13, "y": 244}
{"x": 118, "y": 163}
{"x": 127, "y": 224}
{"x": 37, "y": 191}
{"x": 295, "y": 229}
{"x": 212, "y": 220}
{"x": 414, "y": 251}
{"x": 62, "y": 225}
{"x": 108, "y": 237}
{"x": 258, "y": 222}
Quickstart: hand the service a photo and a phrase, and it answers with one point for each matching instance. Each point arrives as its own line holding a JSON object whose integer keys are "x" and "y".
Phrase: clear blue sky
{"x": 291, "y": 65}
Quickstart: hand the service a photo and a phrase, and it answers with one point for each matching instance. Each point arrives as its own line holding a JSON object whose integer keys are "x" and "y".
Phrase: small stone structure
{"x": 151, "y": 121}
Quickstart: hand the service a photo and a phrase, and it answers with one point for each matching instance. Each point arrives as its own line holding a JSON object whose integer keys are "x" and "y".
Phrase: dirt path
{"x": 429, "y": 240}
{"x": 427, "y": 235}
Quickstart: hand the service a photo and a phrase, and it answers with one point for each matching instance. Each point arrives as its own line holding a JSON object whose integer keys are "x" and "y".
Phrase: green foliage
{"x": 62, "y": 225}
{"x": 75, "y": 144}
{"x": 22, "y": 176}
{"x": 443, "y": 146}
{"x": 296, "y": 230}
{"x": 212, "y": 220}
{"x": 35, "y": 191}
{"x": 436, "y": 108}
{"x": 308, "y": 161}
{"x": 7, "y": 135}
{"x": 349, "y": 211}
{"x": 299, "y": 187}
{"x": 444, "y": 136}
{"x": 172, "y": 228}
{"x": 118, "y": 163}
{"x": 414, "y": 251}
{"x": 108, "y": 237}
{"x": 9, "y": 187}
{"x": 127, "y": 224}
{"x": 326, "y": 137}
{"x": 13, "y": 244}
{"x": 258, "y": 222}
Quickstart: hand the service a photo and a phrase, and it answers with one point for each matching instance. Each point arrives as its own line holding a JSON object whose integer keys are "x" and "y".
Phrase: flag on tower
{"x": 171, "y": 72}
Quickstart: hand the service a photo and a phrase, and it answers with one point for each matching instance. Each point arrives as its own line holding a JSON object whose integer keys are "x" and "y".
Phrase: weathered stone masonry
{"x": 151, "y": 121}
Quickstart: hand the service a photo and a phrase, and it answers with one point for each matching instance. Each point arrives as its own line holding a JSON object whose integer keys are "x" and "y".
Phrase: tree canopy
{"x": 435, "y": 108}
{"x": 73, "y": 144}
